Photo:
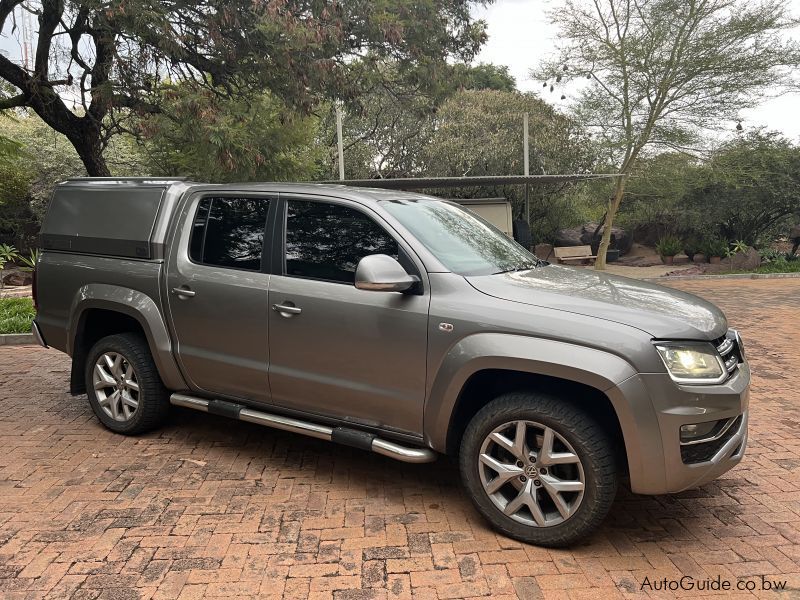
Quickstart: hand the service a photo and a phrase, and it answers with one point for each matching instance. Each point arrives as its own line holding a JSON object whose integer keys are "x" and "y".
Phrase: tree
{"x": 113, "y": 56}
{"x": 386, "y": 133}
{"x": 662, "y": 73}
{"x": 485, "y": 76}
{"x": 480, "y": 133}
{"x": 750, "y": 189}
{"x": 204, "y": 136}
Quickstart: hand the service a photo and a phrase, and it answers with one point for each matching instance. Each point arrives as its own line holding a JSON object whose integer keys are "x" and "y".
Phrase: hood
{"x": 662, "y": 312}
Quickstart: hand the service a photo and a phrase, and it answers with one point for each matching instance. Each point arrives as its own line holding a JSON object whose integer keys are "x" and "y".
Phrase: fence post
{"x": 339, "y": 142}
{"x": 527, "y": 165}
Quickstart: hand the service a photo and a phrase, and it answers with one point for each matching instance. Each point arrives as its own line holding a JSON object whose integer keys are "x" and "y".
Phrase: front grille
{"x": 729, "y": 350}
{"x": 697, "y": 453}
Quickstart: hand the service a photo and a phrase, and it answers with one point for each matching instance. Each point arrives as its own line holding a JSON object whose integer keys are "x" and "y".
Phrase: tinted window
{"x": 326, "y": 241}
{"x": 229, "y": 232}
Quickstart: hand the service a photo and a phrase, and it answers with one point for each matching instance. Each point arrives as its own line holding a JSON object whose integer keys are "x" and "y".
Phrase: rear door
{"x": 217, "y": 285}
{"x": 335, "y": 350}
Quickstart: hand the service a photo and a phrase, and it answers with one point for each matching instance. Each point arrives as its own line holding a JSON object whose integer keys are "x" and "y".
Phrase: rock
{"x": 744, "y": 261}
{"x": 583, "y": 236}
{"x": 17, "y": 278}
{"x": 543, "y": 251}
{"x": 570, "y": 236}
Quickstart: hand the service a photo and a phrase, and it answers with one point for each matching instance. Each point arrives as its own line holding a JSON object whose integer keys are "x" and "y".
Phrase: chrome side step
{"x": 343, "y": 435}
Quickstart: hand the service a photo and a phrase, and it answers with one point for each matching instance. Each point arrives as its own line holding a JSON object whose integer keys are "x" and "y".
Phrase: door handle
{"x": 183, "y": 292}
{"x": 286, "y": 309}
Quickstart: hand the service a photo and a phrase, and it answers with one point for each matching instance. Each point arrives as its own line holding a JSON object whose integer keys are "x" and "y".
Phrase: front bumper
{"x": 655, "y": 461}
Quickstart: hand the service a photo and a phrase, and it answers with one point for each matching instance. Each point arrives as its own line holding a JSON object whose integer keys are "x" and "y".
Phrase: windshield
{"x": 461, "y": 240}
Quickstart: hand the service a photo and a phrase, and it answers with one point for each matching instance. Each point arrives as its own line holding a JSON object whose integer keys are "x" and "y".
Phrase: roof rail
{"x": 149, "y": 178}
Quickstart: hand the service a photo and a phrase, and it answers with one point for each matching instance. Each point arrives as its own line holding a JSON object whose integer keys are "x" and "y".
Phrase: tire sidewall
{"x": 556, "y": 535}
{"x": 123, "y": 347}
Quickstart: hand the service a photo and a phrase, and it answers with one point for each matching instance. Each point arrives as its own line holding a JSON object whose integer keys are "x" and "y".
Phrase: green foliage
{"x": 208, "y": 137}
{"x": 480, "y": 133}
{"x": 662, "y": 73}
{"x": 654, "y": 198}
{"x": 669, "y": 246}
{"x": 485, "y": 76}
{"x": 781, "y": 265}
{"x": 750, "y": 188}
{"x": 738, "y": 246}
{"x": 714, "y": 246}
{"x": 29, "y": 262}
{"x": 8, "y": 253}
{"x": 298, "y": 51}
{"x": 16, "y": 315}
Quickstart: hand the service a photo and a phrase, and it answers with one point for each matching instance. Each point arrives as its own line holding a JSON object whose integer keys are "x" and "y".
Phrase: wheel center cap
{"x": 530, "y": 470}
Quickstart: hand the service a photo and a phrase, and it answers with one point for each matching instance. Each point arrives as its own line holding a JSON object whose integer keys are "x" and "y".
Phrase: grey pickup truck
{"x": 397, "y": 323}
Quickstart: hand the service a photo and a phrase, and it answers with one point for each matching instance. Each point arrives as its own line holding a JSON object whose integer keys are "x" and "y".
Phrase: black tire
{"x": 153, "y": 397}
{"x": 589, "y": 442}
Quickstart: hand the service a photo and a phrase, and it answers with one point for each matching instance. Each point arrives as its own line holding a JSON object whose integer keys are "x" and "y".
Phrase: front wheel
{"x": 538, "y": 469}
{"x": 124, "y": 388}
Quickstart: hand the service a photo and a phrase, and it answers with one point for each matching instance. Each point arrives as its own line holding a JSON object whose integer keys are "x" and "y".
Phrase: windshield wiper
{"x": 523, "y": 267}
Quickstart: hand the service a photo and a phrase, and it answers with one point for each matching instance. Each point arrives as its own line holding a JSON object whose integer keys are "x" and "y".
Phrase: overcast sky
{"x": 520, "y": 35}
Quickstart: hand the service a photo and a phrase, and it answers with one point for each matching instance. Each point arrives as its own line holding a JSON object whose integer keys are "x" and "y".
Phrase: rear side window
{"x": 326, "y": 241}
{"x": 229, "y": 232}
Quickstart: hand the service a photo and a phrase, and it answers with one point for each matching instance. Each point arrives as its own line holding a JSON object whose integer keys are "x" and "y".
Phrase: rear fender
{"x": 137, "y": 305}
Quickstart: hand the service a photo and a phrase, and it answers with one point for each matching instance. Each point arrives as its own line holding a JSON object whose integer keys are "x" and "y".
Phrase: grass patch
{"x": 778, "y": 266}
{"x": 16, "y": 315}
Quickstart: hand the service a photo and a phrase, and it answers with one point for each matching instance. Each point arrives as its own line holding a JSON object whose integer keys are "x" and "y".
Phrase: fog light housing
{"x": 697, "y": 431}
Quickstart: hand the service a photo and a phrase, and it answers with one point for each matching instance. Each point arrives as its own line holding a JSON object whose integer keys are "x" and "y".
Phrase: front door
{"x": 336, "y": 350}
{"x": 217, "y": 285}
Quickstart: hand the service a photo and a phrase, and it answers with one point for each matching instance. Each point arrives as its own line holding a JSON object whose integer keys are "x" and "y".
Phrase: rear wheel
{"x": 539, "y": 470}
{"x": 124, "y": 388}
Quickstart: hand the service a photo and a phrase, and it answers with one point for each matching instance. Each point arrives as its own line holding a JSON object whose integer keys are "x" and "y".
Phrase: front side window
{"x": 326, "y": 241}
{"x": 229, "y": 232}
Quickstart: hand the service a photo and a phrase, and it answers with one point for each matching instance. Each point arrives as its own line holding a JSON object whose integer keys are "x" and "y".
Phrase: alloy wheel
{"x": 531, "y": 473}
{"x": 116, "y": 386}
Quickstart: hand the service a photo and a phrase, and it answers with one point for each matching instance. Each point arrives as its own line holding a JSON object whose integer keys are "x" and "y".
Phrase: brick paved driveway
{"x": 220, "y": 508}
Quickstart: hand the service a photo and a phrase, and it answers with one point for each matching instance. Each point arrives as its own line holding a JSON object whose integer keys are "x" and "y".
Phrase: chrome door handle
{"x": 286, "y": 309}
{"x": 183, "y": 292}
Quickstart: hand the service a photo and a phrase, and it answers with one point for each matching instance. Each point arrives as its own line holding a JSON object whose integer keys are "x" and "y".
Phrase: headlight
{"x": 688, "y": 362}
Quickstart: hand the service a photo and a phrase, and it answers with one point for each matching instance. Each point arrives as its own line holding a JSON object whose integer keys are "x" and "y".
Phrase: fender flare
{"x": 596, "y": 368}
{"x": 137, "y": 305}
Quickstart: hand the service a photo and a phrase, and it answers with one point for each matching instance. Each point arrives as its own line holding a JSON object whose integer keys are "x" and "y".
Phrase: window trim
{"x": 266, "y": 247}
{"x": 281, "y": 220}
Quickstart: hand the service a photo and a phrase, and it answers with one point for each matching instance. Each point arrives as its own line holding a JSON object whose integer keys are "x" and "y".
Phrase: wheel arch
{"x": 100, "y": 310}
{"x": 481, "y": 367}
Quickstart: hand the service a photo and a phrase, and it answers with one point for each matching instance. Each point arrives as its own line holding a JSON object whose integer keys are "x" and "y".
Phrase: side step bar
{"x": 343, "y": 435}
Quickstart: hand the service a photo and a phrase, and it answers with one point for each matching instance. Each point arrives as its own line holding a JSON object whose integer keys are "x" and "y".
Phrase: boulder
{"x": 570, "y": 236}
{"x": 744, "y": 261}
{"x": 12, "y": 278}
{"x": 583, "y": 236}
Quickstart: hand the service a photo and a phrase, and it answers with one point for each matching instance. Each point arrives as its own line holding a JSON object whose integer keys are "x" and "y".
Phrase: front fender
{"x": 589, "y": 366}
{"x": 135, "y": 304}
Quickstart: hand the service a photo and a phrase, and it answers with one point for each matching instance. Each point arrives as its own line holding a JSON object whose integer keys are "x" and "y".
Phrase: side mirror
{"x": 382, "y": 273}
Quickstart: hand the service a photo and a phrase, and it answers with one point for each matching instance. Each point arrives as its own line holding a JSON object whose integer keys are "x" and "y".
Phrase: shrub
{"x": 715, "y": 246}
{"x": 669, "y": 246}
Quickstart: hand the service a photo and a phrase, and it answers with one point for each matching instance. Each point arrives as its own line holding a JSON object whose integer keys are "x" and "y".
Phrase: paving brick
{"x": 207, "y": 507}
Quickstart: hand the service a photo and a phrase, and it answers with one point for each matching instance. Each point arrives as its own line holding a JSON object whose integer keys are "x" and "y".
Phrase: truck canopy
{"x": 84, "y": 217}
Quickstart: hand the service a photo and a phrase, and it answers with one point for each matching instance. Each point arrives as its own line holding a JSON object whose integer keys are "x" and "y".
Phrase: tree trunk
{"x": 613, "y": 207}
{"x": 87, "y": 145}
